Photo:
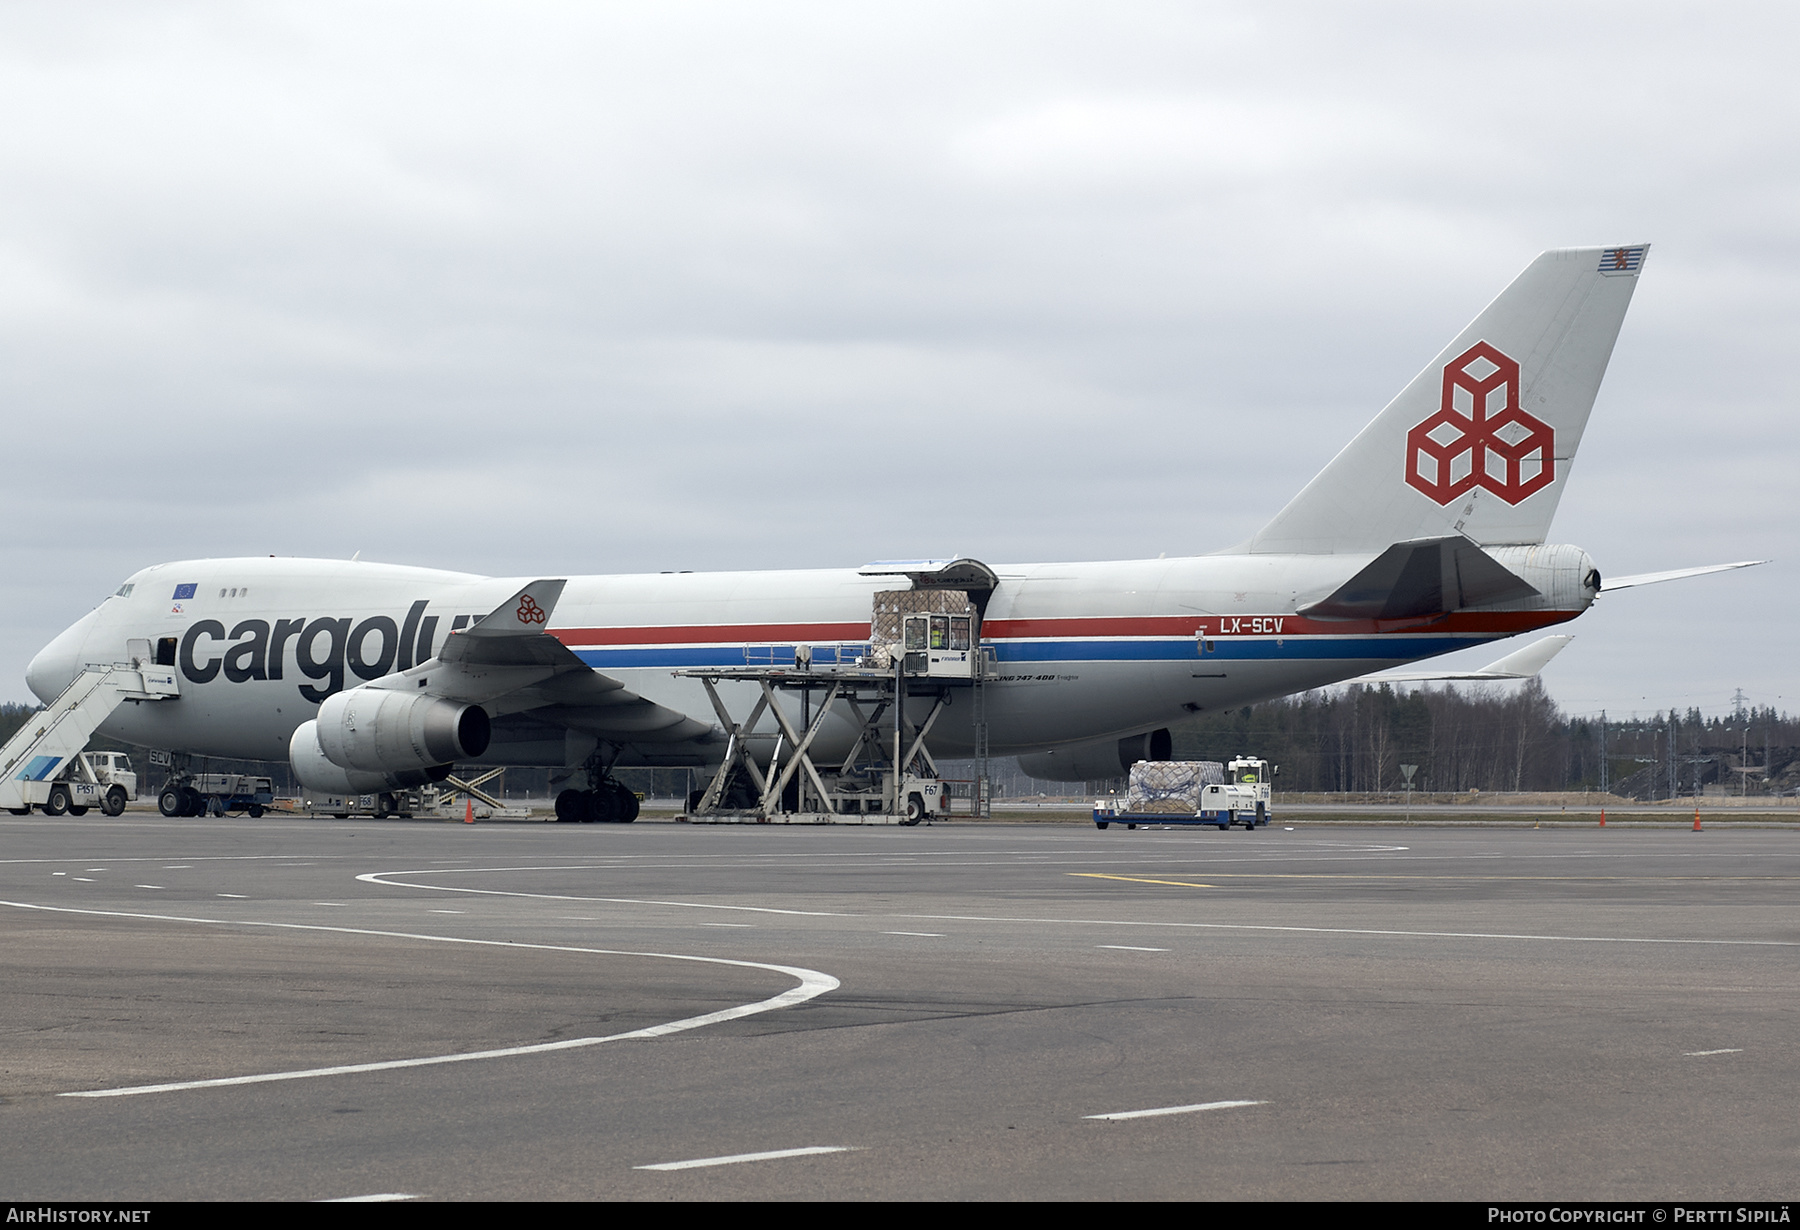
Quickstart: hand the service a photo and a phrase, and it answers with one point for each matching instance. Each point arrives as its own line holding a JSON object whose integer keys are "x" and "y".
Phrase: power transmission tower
{"x": 1603, "y": 751}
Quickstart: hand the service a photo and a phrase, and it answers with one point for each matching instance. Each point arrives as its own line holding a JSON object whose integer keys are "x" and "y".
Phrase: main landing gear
{"x": 180, "y": 801}
{"x": 608, "y": 803}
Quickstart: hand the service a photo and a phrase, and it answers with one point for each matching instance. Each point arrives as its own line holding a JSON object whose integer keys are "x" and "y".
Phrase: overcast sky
{"x": 557, "y": 289}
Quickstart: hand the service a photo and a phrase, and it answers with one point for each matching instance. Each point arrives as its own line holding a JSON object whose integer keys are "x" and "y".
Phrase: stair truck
{"x": 44, "y": 765}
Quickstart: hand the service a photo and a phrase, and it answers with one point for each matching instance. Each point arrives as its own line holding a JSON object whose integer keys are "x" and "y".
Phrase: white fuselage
{"x": 1083, "y": 651}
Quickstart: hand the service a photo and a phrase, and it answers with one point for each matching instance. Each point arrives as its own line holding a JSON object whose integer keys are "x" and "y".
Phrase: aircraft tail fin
{"x": 1480, "y": 443}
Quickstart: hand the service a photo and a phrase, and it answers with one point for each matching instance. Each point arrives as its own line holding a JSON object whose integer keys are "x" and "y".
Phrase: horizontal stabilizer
{"x": 1520, "y": 664}
{"x": 1427, "y": 576}
{"x": 1676, "y": 574}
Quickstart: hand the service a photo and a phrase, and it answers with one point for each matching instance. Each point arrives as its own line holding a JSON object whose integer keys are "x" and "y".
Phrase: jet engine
{"x": 315, "y": 772}
{"x": 369, "y": 739}
{"x": 387, "y": 732}
{"x": 1104, "y": 758}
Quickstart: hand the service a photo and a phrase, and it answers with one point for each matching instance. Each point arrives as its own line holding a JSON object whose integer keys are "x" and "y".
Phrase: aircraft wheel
{"x": 739, "y": 794}
{"x": 627, "y": 804}
{"x": 58, "y": 802}
{"x": 571, "y": 807}
{"x": 170, "y": 803}
{"x": 192, "y": 802}
{"x": 115, "y": 801}
{"x": 603, "y": 806}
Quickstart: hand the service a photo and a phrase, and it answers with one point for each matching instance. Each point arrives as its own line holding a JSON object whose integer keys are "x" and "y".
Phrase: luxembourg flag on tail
{"x": 1622, "y": 260}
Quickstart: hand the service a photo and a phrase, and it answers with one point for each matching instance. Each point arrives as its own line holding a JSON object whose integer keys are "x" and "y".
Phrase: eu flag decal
{"x": 185, "y": 591}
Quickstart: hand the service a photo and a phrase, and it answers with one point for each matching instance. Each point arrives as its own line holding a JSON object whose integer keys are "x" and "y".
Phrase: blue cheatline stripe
{"x": 716, "y": 655}
{"x": 664, "y": 655}
{"x": 1291, "y": 648}
{"x": 1228, "y": 650}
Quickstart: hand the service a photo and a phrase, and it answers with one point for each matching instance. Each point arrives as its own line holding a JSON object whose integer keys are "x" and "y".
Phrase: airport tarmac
{"x": 314, "y": 1009}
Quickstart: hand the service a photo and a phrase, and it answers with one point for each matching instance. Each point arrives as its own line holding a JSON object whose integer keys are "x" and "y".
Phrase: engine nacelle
{"x": 1104, "y": 758}
{"x": 379, "y": 731}
{"x": 317, "y": 773}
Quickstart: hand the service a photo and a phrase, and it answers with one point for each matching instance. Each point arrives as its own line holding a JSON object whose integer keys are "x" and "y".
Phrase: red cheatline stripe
{"x": 1476, "y": 622}
{"x": 1291, "y": 625}
{"x": 709, "y": 634}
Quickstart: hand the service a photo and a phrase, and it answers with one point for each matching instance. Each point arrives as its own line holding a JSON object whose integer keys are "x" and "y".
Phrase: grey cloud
{"x": 318, "y": 276}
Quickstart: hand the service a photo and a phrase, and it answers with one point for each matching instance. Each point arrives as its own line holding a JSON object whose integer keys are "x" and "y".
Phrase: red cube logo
{"x": 1480, "y": 435}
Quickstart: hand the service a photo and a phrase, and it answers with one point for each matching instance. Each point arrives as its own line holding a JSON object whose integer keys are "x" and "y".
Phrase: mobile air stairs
{"x": 42, "y": 765}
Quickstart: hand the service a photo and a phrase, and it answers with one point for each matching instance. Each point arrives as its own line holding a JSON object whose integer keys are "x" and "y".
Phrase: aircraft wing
{"x": 1520, "y": 664}
{"x": 508, "y": 662}
{"x": 1675, "y": 574}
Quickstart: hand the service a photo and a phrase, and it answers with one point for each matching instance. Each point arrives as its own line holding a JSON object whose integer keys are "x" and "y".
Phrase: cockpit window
{"x": 124, "y": 591}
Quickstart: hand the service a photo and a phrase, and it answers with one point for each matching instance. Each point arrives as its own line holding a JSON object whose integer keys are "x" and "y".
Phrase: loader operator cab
{"x": 1246, "y": 772}
{"x": 938, "y": 645}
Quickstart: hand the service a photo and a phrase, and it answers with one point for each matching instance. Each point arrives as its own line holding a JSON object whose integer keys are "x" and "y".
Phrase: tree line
{"x": 1492, "y": 738}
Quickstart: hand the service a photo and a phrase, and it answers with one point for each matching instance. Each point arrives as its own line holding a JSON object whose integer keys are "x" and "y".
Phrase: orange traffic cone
{"x": 1603, "y": 817}
{"x": 1696, "y": 817}
{"x": 469, "y": 814}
